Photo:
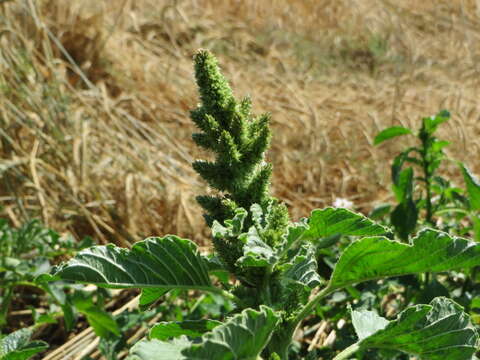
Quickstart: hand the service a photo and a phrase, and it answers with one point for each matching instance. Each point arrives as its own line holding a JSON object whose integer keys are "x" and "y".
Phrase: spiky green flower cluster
{"x": 239, "y": 141}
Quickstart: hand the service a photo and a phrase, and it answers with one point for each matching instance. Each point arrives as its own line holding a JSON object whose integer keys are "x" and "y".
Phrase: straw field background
{"x": 95, "y": 98}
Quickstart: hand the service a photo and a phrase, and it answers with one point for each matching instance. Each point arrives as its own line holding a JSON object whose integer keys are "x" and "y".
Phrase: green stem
{"x": 282, "y": 337}
{"x": 308, "y": 308}
{"x": 451, "y": 210}
{"x": 427, "y": 176}
{"x": 6, "y": 300}
{"x": 345, "y": 354}
{"x": 266, "y": 286}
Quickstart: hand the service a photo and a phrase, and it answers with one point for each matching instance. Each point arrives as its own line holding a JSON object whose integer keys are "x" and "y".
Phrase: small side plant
{"x": 27, "y": 252}
{"x": 271, "y": 260}
{"x": 419, "y": 188}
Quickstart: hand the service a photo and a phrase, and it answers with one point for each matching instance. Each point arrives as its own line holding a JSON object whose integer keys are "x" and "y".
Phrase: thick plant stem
{"x": 285, "y": 339}
{"x": 345, "y": 354}
{"x": 281, "y": 340}
{"x": 308, "y": 308}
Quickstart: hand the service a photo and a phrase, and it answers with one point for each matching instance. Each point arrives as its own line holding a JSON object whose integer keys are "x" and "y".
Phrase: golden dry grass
{"x": 95, "y": 134}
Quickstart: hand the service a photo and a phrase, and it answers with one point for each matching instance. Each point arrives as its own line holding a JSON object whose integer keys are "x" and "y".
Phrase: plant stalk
{"x": 308, "y": 308}
{"x": 5, "y": 305}
{"x": 345, "y": 354}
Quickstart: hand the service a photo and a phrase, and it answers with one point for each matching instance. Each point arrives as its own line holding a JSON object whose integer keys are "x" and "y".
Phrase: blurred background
{"x": 95, "y": 98}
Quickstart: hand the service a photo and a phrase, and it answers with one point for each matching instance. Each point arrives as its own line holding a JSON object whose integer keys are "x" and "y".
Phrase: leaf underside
{"x": 156, "y": 264}
{"x": 438, "y": 331}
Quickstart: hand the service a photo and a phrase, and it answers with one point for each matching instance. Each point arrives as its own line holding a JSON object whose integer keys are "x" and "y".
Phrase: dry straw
{"x": 95, "y": 134}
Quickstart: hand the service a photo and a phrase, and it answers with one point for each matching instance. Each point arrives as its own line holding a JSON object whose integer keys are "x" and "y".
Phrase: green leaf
{"x": 17, "y": 345}
{"x": 302, "y": 268}
{"x": 366, "y": 323}
{"x": 404, "y": 218}
{"x": 380, "y": 211}
{"x": 233, "y": 227}
{"x": 438, "y": 145}
{"x": 476, "y": 228}
{"x": 403, "y": 185}
{"x": 473, "y": 188}
{"x": 390, "y": 133}
{"x": 256, "y": 252}
{"x": 398, "y": 163}
{"x": 160, "y": 263}
{"x": 101, "y": 321}
{"x": 160, "y": 350}
{"x": 431, "y": 123}
{"x": 149, "y": 296}
{"x": 437, "y": 331}
{"x": 294, "y": 233}
{"x": 377, "y": 257}
{"x": 192, "y": 328}
{"x": 337, "y": 221}
{"x": 242, "y": 337}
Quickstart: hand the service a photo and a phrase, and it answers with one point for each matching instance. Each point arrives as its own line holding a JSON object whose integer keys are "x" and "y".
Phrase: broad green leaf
{"x": 377, "y": 257}
{"x": 242, "y": 337}
{"x": 156, "y": 263}
{"x": 473, "y": 188}
{"x": 302, "y": 268}
{"x": 390, "y": 133}
{"x": 17, "y": 345}
{"x": 256, "y": 252}
{"x": 438, "y": 331}
{"x": 192, "y": 328}
{"x": 337, "y": 221}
